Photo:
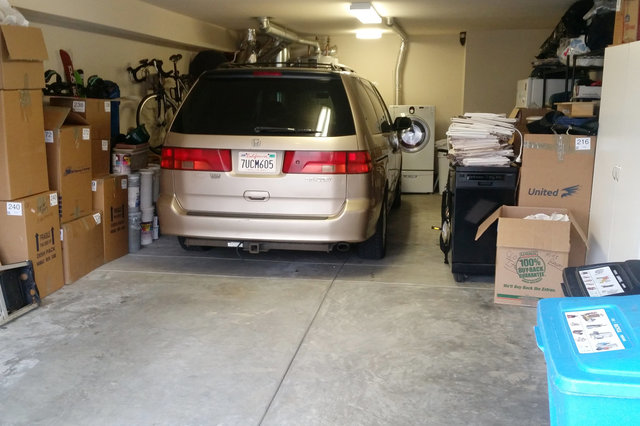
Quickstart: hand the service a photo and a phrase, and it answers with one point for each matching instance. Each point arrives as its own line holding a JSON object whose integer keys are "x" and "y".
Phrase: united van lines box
{"x": 23, "y": 51}
{"x": 531, "y": 254}
{"x": 557, "y": 171}
{"x": 110, "y": 195}
{"x": 30, "y": 229}
{"x": 82, "y": 246}
{"x": 97, "y": 112}
{"x": 68, "y": 141}
{"x": 23, "y": 157}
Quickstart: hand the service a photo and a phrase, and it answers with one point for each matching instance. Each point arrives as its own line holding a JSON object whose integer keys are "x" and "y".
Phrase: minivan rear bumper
{"x": 351, "y": 224}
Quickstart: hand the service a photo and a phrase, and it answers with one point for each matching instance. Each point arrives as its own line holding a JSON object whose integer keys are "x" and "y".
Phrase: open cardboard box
{"x": 531, "y": 254}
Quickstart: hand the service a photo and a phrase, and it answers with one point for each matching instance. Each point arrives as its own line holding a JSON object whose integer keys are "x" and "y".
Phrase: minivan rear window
{"x": 264, "y": 104}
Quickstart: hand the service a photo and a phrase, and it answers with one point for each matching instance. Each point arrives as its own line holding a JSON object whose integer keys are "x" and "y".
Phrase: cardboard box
{"x": 68, "y": 141}
{"x": 23, "y": 51}
{"x": 23, "y": 158}
{"x": 82, "y": 246}
{"x": 631, "y": 21}
{"x": 587, "y": 92}
{"x": 100, "y": 157}
{"x": 97, "y": 112}
{"x": 557, "y": 171}
{"x": 111, "y": 196}
{"x": 531, "y": 254}
{"x": 578, "y": 109}
{"x": 30, "y": 229}
{"x": 524, "y": 116}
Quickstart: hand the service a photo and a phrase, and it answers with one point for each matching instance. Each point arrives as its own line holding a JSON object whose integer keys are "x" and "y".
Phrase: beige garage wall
{"x": 481, "y": 76}
{"x": 495, "y": 61}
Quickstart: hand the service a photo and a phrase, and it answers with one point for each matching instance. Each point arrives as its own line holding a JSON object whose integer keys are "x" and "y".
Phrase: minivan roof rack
{"x": 291, "y": 64}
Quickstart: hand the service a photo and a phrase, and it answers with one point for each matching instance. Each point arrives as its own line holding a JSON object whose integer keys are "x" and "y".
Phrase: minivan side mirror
{"x": 402, "y": 123}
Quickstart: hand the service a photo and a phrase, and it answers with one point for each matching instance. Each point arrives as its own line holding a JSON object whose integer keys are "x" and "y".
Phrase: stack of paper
{"x": 480, "y": 139}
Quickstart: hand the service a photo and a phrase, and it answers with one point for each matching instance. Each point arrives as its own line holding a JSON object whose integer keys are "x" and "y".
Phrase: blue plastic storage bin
{"x": 592, "y": 352}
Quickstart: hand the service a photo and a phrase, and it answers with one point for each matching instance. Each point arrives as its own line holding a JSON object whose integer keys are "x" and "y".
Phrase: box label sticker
{"x": 79, "y": 106}
{"x": 53, "y": 199}
{"x": 61, "y": 234}
{"x": 48, "y": 136}
{"x": 107, "y": 106}
{"x": 97, "y": 218}
{"x": 593, "y": 331}
{"x": 86, "y": 134}
{"x": 94, "y": 185}
{"x": 601, "y": 282}
{"x": 583, "y": 144}
{"x": 105, "y": 145}
{"x": 14, "y": 209}
{"x": 123, "y": 184}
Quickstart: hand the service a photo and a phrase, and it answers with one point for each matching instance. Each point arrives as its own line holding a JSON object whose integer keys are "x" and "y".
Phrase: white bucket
{"x": 146, "y": 189}
{"x": 134, "y": 231}
{"x": 146, "y": 235}
{"x": 120, "y": 163}
{"x": 156, "y": 180}
{"x": 134, "y": 192}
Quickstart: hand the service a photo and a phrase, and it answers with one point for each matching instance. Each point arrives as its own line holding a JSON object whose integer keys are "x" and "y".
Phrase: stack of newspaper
{"x": 481, "y": 139}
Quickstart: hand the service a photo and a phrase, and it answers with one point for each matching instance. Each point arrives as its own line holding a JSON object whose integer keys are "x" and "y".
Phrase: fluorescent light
{"x": 369, "y": 34}
{"x": 365, "y": 13}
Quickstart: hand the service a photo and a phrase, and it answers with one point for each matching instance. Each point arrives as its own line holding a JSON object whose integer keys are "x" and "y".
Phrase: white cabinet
{"x": 614, "y": 224}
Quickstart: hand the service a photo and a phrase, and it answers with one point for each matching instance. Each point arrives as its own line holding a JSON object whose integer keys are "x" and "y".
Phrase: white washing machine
{"x": 417, "y": 166}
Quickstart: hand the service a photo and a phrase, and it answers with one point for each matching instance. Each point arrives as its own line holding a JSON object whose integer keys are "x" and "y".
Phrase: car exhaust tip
{"x": 343, "y": 247}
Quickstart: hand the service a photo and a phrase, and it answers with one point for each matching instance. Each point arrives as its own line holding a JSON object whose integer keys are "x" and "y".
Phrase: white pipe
{"x": 282, "y": 33}
{"x": 402, "y": 54}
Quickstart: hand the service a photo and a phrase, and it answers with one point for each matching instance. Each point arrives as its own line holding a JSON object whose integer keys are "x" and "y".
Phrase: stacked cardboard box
{"x": 29, "y": 223}
{"x": 557, "y": 171}
{"x": 68, "y": 140}
{"x": 97, "y": 113}
{"x": 110, "y": 195}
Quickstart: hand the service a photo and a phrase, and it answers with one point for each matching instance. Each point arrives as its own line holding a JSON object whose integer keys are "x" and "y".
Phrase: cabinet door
{"x": 625, "y": 230}
{"x": 610, "y": 147}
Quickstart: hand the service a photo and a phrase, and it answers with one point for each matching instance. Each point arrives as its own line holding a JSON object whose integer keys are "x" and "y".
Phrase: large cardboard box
{"x": 97, "y": 112}
{"x": 23, "y": 158}
{"x": 111, "y": 196}
{"x": 30, "y": 229}
{"x": 531, "y": 254}
{"x": 557, "y": 171}
{"x": 82, "y": 246}
{"x": 100, "y": 157}
{"x": 68, "y": 141}
{"x": 23, "y": 51}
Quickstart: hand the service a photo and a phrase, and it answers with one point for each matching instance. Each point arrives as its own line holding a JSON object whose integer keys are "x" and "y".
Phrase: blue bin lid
{"x": 591, "y": 344}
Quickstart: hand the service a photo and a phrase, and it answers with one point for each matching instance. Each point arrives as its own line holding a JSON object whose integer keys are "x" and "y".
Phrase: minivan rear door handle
{"x": 256, "y": 195}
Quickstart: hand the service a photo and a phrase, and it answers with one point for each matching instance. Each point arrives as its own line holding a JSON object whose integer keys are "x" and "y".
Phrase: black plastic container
{"x": 602, "y": 279}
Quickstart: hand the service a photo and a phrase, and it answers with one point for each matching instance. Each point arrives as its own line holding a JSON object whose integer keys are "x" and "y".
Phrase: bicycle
{"x": 157, "y": 109}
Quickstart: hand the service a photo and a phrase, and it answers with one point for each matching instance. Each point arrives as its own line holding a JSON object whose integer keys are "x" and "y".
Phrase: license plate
{"x": 257, "y": 162}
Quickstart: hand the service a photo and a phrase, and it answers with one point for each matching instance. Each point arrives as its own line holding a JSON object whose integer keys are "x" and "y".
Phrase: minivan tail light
{"x": 199, "y": 159}
{"x": 326, "y": 162}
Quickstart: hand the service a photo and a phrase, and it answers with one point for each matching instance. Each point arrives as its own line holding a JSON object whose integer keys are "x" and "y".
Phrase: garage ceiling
{"x": 417, "y": 17}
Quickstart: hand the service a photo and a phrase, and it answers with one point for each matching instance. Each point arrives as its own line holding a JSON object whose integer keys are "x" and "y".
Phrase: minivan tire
{"x": 376, "y": 246}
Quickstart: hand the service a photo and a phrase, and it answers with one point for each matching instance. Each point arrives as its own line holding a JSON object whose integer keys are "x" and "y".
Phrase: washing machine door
{"x": 417, "y": 136}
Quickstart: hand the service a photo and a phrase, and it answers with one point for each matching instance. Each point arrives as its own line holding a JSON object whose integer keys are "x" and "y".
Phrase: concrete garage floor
{"x": 168, "y": 337}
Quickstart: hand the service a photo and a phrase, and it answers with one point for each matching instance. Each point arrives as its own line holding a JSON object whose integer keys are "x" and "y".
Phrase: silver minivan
{"x": 264, "y": 157}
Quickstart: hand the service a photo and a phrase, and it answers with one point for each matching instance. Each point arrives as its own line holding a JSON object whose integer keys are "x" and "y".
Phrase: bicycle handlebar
{"x": 144, "y": 63}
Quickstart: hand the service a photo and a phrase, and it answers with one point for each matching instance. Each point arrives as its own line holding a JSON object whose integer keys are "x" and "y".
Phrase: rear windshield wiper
{"x": 270, "y": 129}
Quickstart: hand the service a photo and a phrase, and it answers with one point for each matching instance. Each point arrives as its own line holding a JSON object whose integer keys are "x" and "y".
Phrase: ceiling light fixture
{"x": 365, "y": 13}
{"x": 369, "y": 34}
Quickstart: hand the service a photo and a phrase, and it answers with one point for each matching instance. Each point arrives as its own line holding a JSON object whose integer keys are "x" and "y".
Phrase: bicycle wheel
{"x": 156, "y": 112}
